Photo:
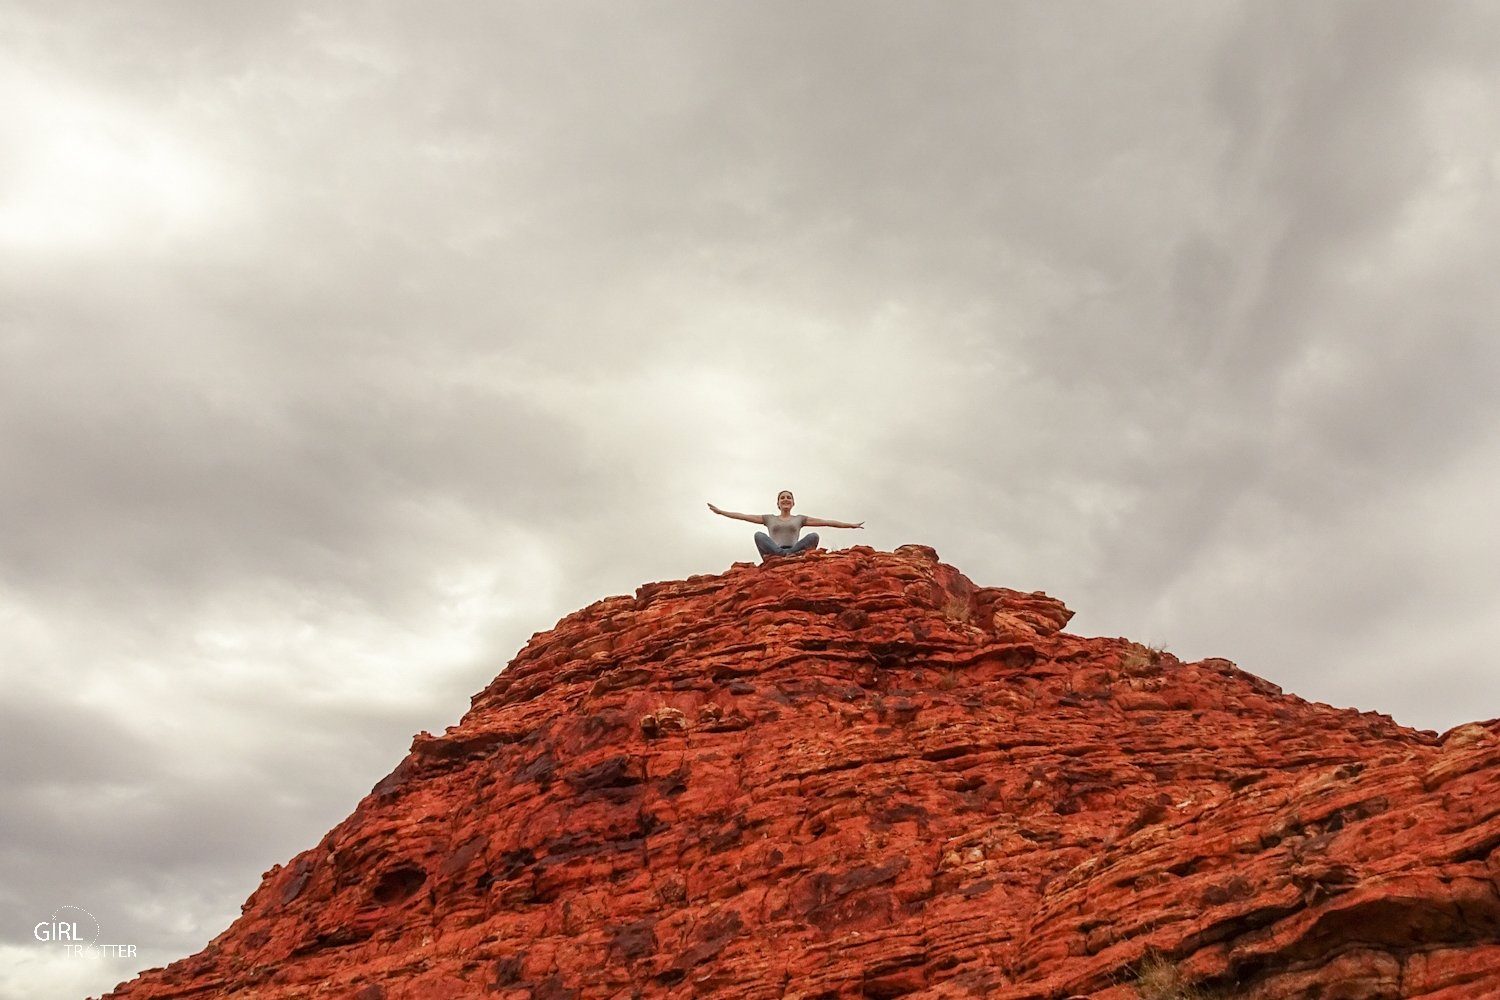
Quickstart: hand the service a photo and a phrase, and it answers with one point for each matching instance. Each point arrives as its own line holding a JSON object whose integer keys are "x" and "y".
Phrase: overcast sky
{"x": 344, "y": 346}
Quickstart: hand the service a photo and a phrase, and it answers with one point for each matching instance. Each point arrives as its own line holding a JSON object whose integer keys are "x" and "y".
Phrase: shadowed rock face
{"x": 857, "y": 774}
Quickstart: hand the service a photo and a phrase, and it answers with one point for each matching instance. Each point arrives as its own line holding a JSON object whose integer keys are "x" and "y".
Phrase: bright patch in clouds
{"x": 83, "y": 172}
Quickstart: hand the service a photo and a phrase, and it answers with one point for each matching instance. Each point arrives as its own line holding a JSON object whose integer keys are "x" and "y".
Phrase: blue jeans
{"x": 770, "y": 548}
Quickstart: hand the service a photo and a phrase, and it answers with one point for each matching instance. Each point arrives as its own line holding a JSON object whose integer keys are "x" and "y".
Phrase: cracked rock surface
{"x": 856, "y": 773}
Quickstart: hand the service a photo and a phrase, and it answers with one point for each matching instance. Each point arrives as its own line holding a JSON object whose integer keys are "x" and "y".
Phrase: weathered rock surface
{"x": 857, "y": 774}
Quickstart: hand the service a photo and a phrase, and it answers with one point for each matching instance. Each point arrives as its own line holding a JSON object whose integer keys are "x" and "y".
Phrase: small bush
{"x": 1143, "y": 661}
{"x": 957, "y": 609}
{"x": 1157, "y": 978}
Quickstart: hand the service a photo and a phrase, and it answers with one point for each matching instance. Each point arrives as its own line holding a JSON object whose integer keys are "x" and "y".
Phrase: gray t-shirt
{"x": 783, "y": 530}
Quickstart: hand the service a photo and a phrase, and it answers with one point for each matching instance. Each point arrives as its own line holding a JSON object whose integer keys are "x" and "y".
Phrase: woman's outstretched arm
{"x": 818, "y": 522}
{"x": 752, "y": 518}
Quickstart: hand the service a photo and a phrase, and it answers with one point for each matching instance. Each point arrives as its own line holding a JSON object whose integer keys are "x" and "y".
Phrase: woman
{"x": 782, "y": 540}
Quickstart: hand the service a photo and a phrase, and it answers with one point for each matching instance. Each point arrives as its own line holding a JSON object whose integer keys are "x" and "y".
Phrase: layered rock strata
{"x": 858, "y": 774}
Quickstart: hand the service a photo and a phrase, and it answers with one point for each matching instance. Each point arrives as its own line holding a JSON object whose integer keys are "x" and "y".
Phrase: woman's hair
{"x": 785, "y": 493}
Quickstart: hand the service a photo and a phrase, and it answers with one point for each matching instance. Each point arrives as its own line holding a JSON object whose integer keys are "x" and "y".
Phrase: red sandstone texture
{"x": 857, "y": 774}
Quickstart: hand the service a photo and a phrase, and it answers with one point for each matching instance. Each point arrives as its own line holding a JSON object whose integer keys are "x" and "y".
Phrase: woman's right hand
{"x": 714, "y": 509}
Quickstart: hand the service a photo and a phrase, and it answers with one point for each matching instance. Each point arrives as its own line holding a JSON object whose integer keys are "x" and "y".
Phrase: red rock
{"x": 857, "y": 774}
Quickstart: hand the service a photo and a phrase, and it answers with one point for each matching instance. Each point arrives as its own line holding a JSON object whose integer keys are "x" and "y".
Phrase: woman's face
{"x": 784, "y": 501}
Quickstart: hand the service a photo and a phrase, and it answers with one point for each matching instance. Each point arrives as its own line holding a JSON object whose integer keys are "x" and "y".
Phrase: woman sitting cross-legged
{"x": 784, "y": 528}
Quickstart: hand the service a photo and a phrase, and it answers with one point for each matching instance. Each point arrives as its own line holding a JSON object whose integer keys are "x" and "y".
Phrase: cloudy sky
{"x": 344, "y": 346}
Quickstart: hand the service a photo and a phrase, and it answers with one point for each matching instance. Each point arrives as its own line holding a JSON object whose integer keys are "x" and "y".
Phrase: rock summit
{"x": 856, "y": 773}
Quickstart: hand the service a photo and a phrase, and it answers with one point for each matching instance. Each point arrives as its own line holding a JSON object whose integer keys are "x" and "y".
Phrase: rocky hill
{"x": 858, "y": 774}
